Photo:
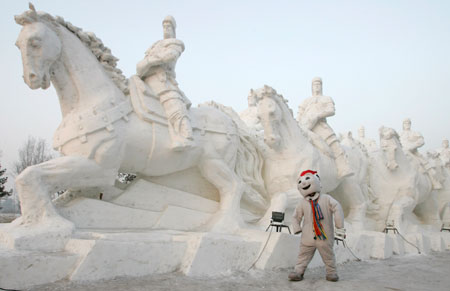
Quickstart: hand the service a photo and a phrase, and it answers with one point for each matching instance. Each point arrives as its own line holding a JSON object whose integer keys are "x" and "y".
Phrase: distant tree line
{"x": 34, "y": 151}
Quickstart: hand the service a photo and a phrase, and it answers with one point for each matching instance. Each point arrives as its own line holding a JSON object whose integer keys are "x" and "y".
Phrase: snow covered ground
{"x": 411, "y": 272}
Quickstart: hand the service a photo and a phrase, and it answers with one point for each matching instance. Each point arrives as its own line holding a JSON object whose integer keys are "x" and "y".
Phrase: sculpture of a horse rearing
{"x": 100, "y": 133}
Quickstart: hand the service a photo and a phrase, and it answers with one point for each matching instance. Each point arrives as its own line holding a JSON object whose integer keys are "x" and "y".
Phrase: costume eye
{"x": 307, "y": 178}
{"x": 299, "y": 181}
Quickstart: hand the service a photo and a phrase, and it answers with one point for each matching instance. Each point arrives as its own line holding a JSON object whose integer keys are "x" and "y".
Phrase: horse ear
{"x": 31, "y": 6}
{"x": 27, "y": 17}
{"x": 32, "y": 12}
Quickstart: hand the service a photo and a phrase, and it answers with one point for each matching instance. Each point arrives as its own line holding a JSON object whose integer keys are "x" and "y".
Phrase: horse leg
{"x": 40, "y": 226}
{"x": 428, "y": 211}
{"x": 228, "y": 218}
{"x": 399, "y": 211}
{"x": 444, "y": 212}
{"x": 353, "y": 196}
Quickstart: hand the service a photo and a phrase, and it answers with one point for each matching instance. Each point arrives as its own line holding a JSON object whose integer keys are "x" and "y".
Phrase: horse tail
{"x": 249, "y": 163}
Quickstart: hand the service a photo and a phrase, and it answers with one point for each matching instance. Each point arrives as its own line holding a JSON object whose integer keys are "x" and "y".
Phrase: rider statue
{"x": 157, "y": 70}
{"x": 312, "y": 114}
{"x": 369, "y": 144}
{"x": 250, "y": 115}
{"x": 444, "y": 153}
{"x": 411, "y": 141}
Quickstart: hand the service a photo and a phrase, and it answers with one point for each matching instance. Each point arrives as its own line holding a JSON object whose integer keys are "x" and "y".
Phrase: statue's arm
{"x": 301, "y": 112}
{"x": 306, "y": 116}
{"x": 171, "y": 53}
{"x": 297, "y": 220}
{"x": 158, "y": 55}
{"x": 411, "y": 142}
{"x": 326, "y": 107}
{"x": 420, "y": 141}
{"x": 144, "y": 66}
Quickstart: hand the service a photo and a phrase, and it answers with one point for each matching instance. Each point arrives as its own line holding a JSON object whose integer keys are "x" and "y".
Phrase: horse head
{"x": 390, "y": 144}
{"x": 434, "y": 161}
{"x": 40, "y": 47}
{"x": 270, "y": 115}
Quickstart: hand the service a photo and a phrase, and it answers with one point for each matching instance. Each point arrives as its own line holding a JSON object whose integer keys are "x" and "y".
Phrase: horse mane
{"x": 249, "y": 152}
{"x": 89, "y": 39}
{"x": 283, "y": 104}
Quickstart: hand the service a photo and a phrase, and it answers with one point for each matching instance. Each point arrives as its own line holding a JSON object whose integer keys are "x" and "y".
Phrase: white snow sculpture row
{"x": 206, "y": 169}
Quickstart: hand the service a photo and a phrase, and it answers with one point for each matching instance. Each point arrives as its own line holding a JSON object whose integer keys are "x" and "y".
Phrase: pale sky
{"x": 381, "y": 61}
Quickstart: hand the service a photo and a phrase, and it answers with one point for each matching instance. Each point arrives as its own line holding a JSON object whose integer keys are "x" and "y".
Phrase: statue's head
{"x": 361, "y": 132}
{"x": 169, "y": 27}
{"x": 445, "y": 143}
{"x": 251, "y": 98}
{"x": 316, "y": 86}
{"x": 406, "y": 124}
{"x": 309, "y": 184}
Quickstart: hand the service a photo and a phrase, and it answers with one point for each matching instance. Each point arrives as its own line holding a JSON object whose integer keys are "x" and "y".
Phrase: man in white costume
{"x": 317, "y": 211}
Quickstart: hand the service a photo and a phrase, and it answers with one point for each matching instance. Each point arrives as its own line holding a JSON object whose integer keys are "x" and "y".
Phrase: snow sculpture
{"x": 440, "y": 159}
{"x": 104, "y": 131}
{"x": 358, "y": 184}
{"x": 312, "y": 114}
{"x": 250, "y": 115}
{"x": 443, "y": 176}
{"x": 157, "y": 69}
{"x": 411, "y": 141}
{"x": 197, "y": 199}
{"x": 369, "y": 144}
{"x": 288, "y": 150}
{"x": 399, "y": 186}
{"x": 444, "y": 153}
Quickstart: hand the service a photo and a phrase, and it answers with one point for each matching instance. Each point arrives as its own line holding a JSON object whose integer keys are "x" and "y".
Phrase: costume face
{"x": 309, "y": 184}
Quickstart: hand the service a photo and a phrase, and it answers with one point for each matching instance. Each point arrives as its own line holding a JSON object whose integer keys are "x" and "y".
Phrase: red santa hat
{"x": 308, "y": 171}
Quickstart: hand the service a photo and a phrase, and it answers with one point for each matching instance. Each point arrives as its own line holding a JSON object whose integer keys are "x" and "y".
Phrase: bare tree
{"x": 34, "y": 151}
{"x": 3, "y": 180}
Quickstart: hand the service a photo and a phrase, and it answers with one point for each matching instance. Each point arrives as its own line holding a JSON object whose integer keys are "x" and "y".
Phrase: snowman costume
{"x": 317, "y": 211}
